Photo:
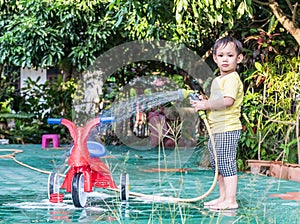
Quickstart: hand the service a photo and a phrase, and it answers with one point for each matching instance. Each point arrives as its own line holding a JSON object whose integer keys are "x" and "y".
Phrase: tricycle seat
{"x": 96, "y": 149}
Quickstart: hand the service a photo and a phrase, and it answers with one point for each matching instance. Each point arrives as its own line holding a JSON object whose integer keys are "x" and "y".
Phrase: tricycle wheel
{"x": 53, "y": 184}
{"x": 124, "y": 187}
{"x": 79, "y": 197}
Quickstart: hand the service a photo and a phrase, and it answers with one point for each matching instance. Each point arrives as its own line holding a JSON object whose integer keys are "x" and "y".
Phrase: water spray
{"x": 163, "y": 97}
{"x": 183, "y": 94}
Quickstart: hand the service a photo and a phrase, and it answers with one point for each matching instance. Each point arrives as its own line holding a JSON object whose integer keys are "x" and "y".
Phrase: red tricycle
{"x": 86, "y": 170}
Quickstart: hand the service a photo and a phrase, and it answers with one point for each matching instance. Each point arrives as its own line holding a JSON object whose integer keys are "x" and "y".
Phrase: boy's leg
{"x": 226, "y": 144}
{"x": 222, "y": 193}
{"x": 227, "y": 161}
{"x": 229, "y": 202}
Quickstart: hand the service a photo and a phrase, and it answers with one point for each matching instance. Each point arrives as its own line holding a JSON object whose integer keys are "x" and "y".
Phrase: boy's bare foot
{"x": 213, "y": 202}
{"x": 225, "y": 205}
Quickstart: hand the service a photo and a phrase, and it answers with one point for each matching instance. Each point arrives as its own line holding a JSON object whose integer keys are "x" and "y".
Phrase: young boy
{"x": 223, "y": 112}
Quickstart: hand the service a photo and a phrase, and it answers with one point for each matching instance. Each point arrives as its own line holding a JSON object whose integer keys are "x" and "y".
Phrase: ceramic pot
{"x": 294, "y": 172}
{"x": 279, "y": 170}
{"x": 259, "y": 166}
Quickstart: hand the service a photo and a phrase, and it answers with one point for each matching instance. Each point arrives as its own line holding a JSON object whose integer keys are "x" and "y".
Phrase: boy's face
{"x": 227, "y": 58}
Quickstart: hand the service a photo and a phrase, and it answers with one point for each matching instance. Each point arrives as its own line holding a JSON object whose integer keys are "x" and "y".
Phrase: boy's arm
{"x": 216, "y": 104}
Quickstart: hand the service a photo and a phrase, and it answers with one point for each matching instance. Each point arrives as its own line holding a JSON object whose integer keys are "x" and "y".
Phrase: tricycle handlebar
{"x": 58, "y": 120}
{"x": 54, "y": 120}
{"x": 107, "y": 119}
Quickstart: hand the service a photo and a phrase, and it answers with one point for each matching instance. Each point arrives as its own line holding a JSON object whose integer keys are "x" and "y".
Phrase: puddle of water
{"x": 23, "y": 194}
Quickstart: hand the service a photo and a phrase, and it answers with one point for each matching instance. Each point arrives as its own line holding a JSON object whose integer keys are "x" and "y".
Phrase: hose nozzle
{"x": 194, "y": 96}
{"x": 186, "y": 93}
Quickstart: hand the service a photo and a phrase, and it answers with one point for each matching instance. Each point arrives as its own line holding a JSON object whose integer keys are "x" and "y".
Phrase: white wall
{"x": 33, "y": 74}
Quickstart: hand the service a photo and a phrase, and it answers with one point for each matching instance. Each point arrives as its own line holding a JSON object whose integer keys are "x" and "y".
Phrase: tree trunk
{"x": 285, "y": 21}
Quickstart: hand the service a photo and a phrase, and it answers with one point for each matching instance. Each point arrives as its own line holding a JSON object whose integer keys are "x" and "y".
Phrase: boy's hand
{"x": 195, "y": 96}
{"x": 199, "y": 104}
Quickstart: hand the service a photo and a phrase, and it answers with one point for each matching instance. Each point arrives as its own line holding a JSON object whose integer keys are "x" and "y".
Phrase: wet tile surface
{"x": 23, "y": 192}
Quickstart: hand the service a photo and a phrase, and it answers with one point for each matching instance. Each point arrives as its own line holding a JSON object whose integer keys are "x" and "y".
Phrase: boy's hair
{"x": 228, "y": 39}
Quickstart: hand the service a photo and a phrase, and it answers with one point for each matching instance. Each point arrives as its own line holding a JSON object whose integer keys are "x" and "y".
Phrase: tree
{"x": 62, "y": 33}
{"x": 287, "y": 12}
{"x": 71, "y": 34}
{"x": 197, "y": 24}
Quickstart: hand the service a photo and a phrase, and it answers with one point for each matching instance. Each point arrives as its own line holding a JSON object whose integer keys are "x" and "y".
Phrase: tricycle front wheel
{"x": 53, "y": 184}
{"x": 124, "y": 187}
{"x": 79, "y": 196}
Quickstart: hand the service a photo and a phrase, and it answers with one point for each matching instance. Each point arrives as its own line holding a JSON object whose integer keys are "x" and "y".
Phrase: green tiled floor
{"x": 23, "y": 192}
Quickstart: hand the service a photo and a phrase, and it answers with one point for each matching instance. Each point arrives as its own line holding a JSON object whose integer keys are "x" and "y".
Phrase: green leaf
{"x": 258, "y": 66}
{"x": 179, "y": 6}
{"x": 178, "y": 18}
{"x": 241, "y": 10}
{"x": 16, "y": 116}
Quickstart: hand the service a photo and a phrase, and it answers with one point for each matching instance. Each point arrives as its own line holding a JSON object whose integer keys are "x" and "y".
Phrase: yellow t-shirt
{"x": 227, "y": 119}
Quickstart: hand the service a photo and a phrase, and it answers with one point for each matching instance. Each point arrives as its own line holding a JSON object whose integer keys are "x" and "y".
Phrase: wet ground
{"x": 23, "y": 191}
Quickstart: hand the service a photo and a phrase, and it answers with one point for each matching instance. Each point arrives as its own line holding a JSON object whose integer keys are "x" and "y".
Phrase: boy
{"x": 223, "y": 112}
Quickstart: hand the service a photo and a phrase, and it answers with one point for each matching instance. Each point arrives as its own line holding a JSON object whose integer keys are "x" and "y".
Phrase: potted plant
{"x": 271, "y": 118}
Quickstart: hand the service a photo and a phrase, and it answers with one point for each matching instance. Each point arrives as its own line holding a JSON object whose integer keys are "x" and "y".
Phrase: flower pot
{"x": 279, "y": 170}
{"x": 259, "y": 166}
{"x": 294, "y": 172}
